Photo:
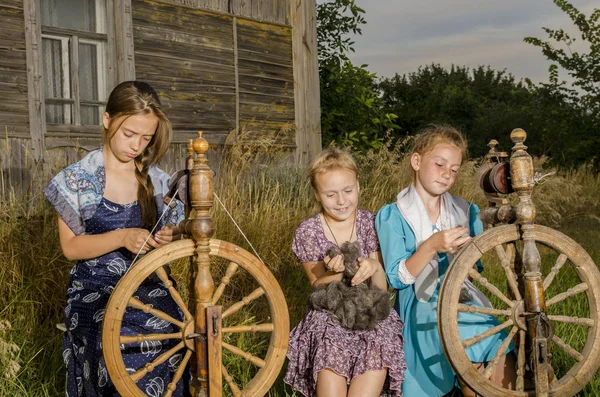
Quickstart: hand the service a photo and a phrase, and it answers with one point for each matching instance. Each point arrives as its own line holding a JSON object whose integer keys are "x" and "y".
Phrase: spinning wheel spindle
{"x": 521, "y": 172}
{"x": 201, "y": 229}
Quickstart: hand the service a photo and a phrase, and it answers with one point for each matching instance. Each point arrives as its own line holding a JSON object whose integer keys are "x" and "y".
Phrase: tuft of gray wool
{"x": 358, "y": 307}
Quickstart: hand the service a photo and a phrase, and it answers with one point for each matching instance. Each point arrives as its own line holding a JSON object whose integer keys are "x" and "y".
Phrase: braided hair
{"x": 139, "y": 98}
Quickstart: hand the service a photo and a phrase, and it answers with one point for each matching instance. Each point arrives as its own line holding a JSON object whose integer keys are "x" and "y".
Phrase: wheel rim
{"x": 587, "y": 361}
{"x": 121, "y": 298}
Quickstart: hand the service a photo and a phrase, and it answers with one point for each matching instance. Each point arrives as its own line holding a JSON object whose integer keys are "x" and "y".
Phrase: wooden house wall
{"x": 14, "y": 108}
{"x": 187, "y": 56}
{"x": 261, "y": 10}
{"x": 217, "y": 64}
{"x": 216, "y": 72}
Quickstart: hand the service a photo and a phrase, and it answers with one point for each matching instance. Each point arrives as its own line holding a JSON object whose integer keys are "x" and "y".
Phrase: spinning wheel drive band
{"x": 154, "y": 262}
{"x": 501, "y": 241}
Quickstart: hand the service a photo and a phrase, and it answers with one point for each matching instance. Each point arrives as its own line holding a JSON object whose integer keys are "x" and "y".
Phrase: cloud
{"x": 402, "y": 35}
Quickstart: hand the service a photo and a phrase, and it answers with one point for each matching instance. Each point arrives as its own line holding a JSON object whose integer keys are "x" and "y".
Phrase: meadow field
{"x": 268, "y": 201}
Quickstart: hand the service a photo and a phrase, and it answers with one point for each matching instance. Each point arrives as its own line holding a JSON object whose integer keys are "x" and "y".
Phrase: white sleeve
{"x": 404, "y": 274}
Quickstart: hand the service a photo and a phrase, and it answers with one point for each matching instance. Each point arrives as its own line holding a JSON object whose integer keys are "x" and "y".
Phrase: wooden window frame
{"x": 119, "y": 65}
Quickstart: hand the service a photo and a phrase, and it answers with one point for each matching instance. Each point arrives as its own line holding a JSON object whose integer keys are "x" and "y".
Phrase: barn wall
{"x": 14, "y": 108}
{"x": 216, "y": 72}
{"x": 217, "y": 65}
{"x": 262, "y": 10}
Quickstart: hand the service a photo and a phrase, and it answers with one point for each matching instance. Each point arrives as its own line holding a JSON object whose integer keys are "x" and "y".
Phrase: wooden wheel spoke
{"x": 149, "y": 367}
{"x": 511, "y": 277}
{"x": 483, "y": 310}
{"x": 492, "y": 331}
{"x": 139, "y": 338}
{"x": 164, "y": 277}
{"x": 490, "y": 287}
{"x": 250, "y": 328}
{"x": 235, "y": 390}
{"x": 579, "y": 288}
{"x": 501, "y": 350}
{"x": 570, "y": 351}
{"x": 573, "y": 320}
{"x": 560, "y": 261}
{"x": 521, "y": 362}
{"x": 231, "y": 269}
{"x": 138, "y": 304}
{"x": 178, "y": 374}
{"x": 257, "y": 293}
{"x": 245, "y": 355}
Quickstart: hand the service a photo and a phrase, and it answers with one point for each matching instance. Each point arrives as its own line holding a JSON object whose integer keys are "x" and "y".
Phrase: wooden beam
{"x": 124, "y": 41}
{"x": 237, "y": 76}
{"x": 306, "y": 79}
{"x": 35, "y": 85}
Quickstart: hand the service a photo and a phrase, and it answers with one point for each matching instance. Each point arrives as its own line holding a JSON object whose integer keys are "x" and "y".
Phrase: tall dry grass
{"x": 268, "y": 201}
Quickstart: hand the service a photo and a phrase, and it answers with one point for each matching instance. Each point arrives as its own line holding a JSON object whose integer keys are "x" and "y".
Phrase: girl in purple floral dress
{"x": 326, "y": 359}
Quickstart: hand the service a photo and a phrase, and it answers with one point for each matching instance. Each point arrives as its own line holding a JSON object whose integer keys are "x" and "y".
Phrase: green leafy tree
{"x": 487, "y": 104}
{"x": 351, "y": 110}
{"x": 580, "y": 138}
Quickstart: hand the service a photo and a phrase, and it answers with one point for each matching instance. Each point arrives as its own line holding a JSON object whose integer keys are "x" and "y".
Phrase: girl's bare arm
{"x": 90, "y": 246}
{"x": 318, "y": 274}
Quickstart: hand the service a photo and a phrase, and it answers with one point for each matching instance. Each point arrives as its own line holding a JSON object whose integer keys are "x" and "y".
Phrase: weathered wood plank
{"x": 241, "y": 7}
{"x": 14, "y": 44}
{"x": 180, "y": 44}
{"x": 7, "y": 11}
{"x": 306, "y": 79}
{"x": 16, "y": 107}
{"x": 265, "y": 70}
{"x": 35, "y": 89}
{"x": 199, "y": 77}
{"x": 10, "y": 35}
{"x": 256, "y": 84}
{"x": 12, "y": 3}
{"x": 8, "y": 55}
{"x": 265, "y": 30}
{"x": 184, "y": 20}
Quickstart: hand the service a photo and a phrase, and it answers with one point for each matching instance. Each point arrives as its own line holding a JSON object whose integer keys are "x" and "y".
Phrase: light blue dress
{"x": 428, "y": 371}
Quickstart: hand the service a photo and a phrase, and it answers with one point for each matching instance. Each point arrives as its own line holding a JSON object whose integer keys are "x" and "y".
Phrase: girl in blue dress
{"x": 418, "y": 235}
{"x": 107, "y": 204}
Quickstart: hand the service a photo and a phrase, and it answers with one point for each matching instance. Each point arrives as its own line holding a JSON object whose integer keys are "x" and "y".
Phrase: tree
{"x": 583, "y": 140}
{"x": 487, "y": 104}
{"x": 351, "y": 111}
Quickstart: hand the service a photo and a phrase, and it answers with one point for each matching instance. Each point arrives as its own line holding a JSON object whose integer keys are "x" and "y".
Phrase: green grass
{"x": 268, "y": 202}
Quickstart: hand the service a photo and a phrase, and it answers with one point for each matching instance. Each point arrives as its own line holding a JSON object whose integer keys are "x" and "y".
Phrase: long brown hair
{"x": 132, "y": 98}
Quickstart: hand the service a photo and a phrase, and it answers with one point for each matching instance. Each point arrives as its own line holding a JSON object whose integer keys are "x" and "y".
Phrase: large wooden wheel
{"x": 271, "y": 318}
{"x": 571, "y": 286}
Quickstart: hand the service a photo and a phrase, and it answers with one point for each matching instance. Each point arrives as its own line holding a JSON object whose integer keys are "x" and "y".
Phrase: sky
{"x": 401, "y": 35}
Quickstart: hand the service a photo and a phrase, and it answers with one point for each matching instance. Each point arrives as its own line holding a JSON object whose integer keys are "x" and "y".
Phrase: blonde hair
{"x": 330, "y": 159}
{"x": 132, "y": 98}
{"x": 426, "y": 140}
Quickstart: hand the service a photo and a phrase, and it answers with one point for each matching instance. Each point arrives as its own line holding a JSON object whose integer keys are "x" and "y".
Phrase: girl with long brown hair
{"x": 107, "y": 204}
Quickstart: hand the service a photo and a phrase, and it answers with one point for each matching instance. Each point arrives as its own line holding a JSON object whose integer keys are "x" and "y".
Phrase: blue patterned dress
{"x": 93, "y": 280}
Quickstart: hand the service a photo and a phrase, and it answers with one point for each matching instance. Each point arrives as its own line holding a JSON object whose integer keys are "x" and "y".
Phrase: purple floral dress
{"x": 317, "y": 342}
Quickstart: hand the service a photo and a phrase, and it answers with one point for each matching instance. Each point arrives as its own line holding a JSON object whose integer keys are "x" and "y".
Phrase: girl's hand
{"x": 335, "y": 264}
{"x": 449, "y": 240}
{"x": 167, "y": 234}
{"x": 366, "y": 268}
{"x": 135, "y": 238}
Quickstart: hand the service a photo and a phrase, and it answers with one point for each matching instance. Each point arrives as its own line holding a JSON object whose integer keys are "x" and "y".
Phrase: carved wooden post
{"x": 521, "y": 172}
{"x": 201, "y": 229}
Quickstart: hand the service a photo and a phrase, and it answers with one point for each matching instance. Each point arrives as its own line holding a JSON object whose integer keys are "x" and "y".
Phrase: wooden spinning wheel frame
{"x": 201, "y": 332}
{"x": 524, "y": 306}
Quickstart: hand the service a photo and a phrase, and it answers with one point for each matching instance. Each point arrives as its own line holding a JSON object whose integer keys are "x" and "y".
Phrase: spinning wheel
{"x": 206, "y": 333}
{"x": 547, "y": 309}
